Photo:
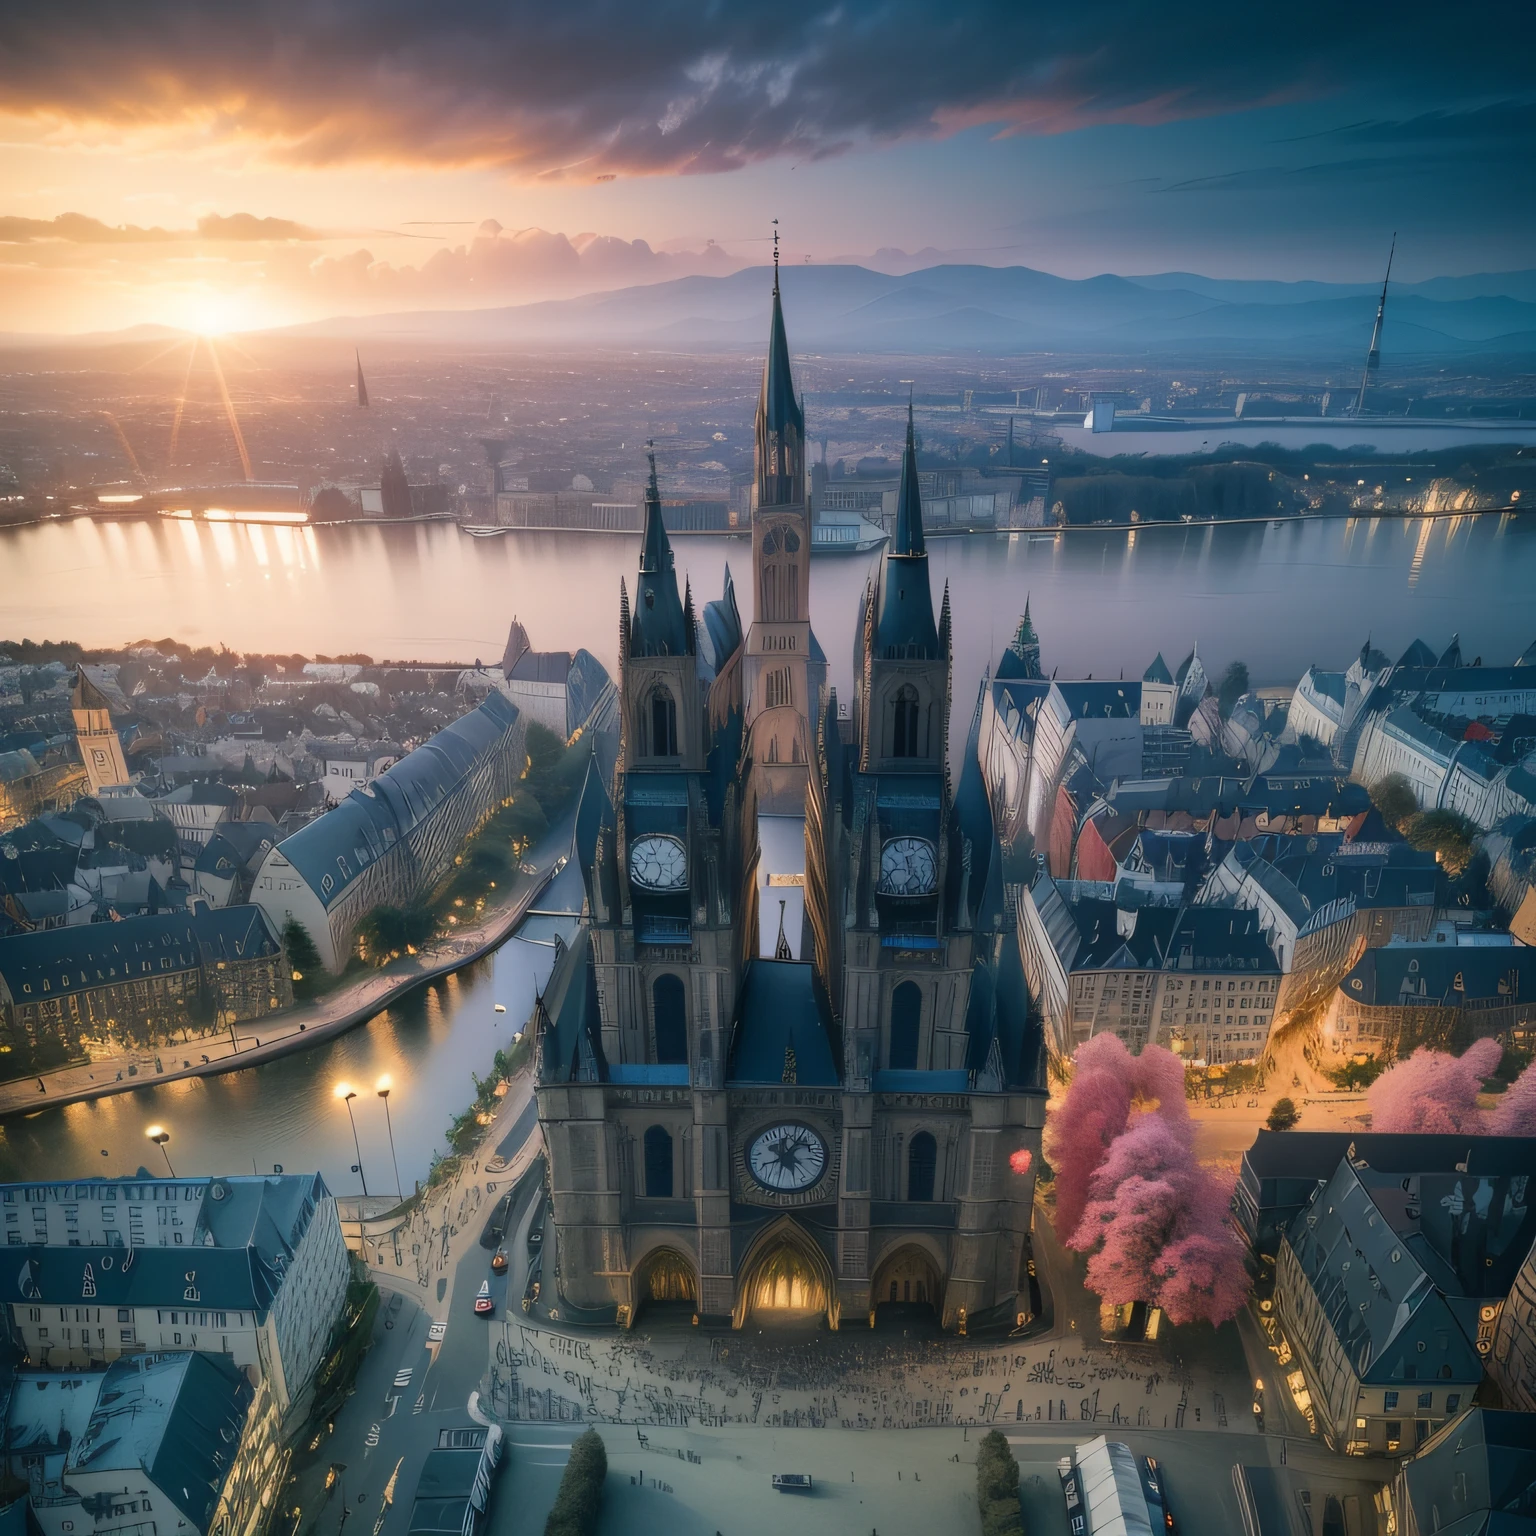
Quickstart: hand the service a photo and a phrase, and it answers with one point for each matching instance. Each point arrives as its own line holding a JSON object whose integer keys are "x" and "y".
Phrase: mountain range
{"x": 953, "y": 308}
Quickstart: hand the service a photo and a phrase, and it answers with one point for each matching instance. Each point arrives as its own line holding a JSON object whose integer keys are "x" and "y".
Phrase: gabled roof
{"x": 1158, "y": 672}
{"x": 1375, "y": 1295}
{"x": 1444, "y": 975}
{"x": 722, "y": 624}
{"x": 1476, "y": 1476}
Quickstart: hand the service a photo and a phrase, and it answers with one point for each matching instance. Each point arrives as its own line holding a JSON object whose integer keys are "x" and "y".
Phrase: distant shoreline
{"x": 119, "y": 515}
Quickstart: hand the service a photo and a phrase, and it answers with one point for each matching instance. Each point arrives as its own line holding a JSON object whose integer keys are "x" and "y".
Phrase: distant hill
{"x": 994, "y": 309}
{"x": 956, "y": 308}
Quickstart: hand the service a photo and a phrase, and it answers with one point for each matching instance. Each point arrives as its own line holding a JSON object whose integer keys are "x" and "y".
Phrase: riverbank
{"x": 305, "y": 1025}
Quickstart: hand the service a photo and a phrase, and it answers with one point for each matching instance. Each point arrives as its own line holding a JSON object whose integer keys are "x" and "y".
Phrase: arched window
{"x": 904, "y": 727}
{"x": 663, "y": 724}
{"x": 671, "y": 1019}
{"x": 658, "y": 1163}
{"x": 906, "y": 1017}
{"x": 922, "y": 1162}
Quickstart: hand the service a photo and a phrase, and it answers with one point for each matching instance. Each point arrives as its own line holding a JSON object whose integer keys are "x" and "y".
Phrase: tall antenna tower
{"x": 1373, "y": 357}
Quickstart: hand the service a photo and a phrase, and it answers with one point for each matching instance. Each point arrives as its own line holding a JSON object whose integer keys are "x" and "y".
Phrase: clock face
{"x": 908, "y": 867}
{"x": 658, "y": 863}
{"x": 787, "y": 1158}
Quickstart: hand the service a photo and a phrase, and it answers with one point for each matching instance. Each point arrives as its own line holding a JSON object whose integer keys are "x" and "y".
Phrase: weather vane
{"x": 775, "y": 255}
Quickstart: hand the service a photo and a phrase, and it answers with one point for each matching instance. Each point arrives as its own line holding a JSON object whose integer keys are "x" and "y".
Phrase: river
{"x": 1278, "y": 595}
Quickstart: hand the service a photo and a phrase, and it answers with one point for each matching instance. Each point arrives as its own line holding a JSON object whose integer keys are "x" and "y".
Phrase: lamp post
{"x": 346, "y": 1094}
{"x": 159, "y": 1135}
{"x": 382, "y": 1088}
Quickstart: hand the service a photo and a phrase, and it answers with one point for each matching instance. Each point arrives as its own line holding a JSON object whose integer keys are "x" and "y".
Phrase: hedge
{"x": 997, "y": 1487}
{"x": 581, "y": 1489}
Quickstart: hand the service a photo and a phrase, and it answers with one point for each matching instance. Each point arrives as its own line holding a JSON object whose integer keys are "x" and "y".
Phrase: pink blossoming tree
{"x": 1433, "y": 1091}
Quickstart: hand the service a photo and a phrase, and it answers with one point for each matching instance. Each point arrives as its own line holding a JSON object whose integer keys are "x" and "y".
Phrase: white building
{"x": 247, "y": 1267}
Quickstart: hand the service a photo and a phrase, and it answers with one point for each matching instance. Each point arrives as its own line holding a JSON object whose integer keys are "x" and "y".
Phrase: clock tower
{"x": 786, "y": 1063}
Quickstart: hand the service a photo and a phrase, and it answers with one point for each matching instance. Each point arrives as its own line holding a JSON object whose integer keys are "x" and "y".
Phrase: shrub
{"x": 1393, "y": 796}
{"x": 1234, "y": 684}
{"x": 1283, "y": 1115}
{"x": 581, "y": 1489}
{"x": 303, "y": 958}
{"x": 1355, "y": 1075}
{"x": 1448, "y": 835}
{"x": 997, "y": 1487}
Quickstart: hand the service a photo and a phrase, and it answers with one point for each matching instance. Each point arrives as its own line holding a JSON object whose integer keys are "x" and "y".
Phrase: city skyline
{"x": 233, "y": 173}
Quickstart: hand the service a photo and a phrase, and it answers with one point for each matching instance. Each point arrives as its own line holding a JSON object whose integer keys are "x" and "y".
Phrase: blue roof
{"x": 949, "y": 1080}
{"x": 904, "y": 623}
{"x": 657, "y": 626}
{"x": 59, "y": 961}
{"x": 722, "y": 624}
{"x": 331, "y": 851}
{"x": 781, "y": 1009}
{"x": 1158, "y": 672}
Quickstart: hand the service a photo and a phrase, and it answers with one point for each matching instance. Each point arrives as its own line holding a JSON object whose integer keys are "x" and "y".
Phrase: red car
{"x": 484, "y": 1306}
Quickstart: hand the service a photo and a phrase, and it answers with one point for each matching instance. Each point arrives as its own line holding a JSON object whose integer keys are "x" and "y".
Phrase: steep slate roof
{"x": 904, "y": 625}
{"x": 1375, "y": 1294}
{"x": 65, "y": 960}
{"x": 234, "y": 1259}
{"x": 722, "y": 624}
{"x": 781, "y": 1007}
{"x": 1170, "y": 939}
{"x": 571, "y": 1040}
{"x": 1443, "y": 975}
{"x": 1158, "y": 672}
{"x": 1476, "y": 1476}
{"x": 776, "y": 399}
{"x": 657, "y": 626}
{"x": 374, "y": 817}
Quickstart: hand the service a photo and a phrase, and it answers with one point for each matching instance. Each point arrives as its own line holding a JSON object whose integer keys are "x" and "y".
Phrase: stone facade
{"x": 787, "y": 1064}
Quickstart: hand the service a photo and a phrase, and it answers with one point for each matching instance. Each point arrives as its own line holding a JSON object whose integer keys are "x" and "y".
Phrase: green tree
{"x": 1283, "y": 1115}
{"x": 303, "y": 959}
{"x": 1354, "y": 1076}
{"x": 388, "y": 930}
{"x": 1449, "y": 835}
{"x": 997, "y": 1487}
{"x": 1393, "y": 796}
{"x": 580, "y": 1497}
{"x": 1234, "y": 684}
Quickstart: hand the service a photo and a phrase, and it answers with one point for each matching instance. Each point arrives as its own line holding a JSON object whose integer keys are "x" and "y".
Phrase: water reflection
{"x": 1280, "y": 594}
{"x": 286, "y": 1112}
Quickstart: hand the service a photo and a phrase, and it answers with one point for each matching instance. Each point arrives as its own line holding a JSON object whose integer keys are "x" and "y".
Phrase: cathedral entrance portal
{"x": 786, "y": 1279}
{"x": 666, "y": 1276}
{"x": 907, "y": 1281}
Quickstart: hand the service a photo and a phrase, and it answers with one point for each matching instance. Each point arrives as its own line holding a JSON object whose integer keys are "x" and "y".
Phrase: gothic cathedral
{"x": 787, "y": 1065}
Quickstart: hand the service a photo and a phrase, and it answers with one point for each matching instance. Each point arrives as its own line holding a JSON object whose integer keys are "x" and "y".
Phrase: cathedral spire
{"x": 658, "y": 628}
{"x": 904, "y": 626}
{"x": 908, "y": 538}
{"x": 780, "y": 418}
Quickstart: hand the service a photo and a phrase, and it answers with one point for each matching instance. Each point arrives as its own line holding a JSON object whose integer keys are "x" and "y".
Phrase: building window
{"x": 663, "y": 724}
{"x": 1453, "y": 1402}
{"x": 1388, "y": 1401}
{"x": 922, "y": 1163}
{"x": 904, "y": 726}
{"x": 779, "y": 688}
{"x": 906, "y": 1020}
{"x": 671, "y": 1019}
{"x": 1426, "y": 1399}
{"x": 658, "y": 1163}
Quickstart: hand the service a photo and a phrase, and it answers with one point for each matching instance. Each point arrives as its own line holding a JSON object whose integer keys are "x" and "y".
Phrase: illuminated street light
{"x": 346, "y": 1093}
{"x": 159, "y": 1135}
{"x": 382, "y": 1088}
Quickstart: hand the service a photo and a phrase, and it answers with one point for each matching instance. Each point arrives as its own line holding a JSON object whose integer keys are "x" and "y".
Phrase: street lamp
{"x": 159, "y": 1135}
{"x": 382, "y": 1088}
{"x": 346, "y": 1093}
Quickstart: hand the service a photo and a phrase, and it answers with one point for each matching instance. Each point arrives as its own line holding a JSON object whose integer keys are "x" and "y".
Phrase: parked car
{"x": 535, "y": 1237}
{"x": 792, "y": 1482}
{"x": 484, "y": 1306}
{"x": 499, "y": 1262}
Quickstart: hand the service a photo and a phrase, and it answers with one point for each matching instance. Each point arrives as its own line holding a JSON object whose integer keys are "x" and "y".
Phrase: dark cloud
{"x": 79, "y": 229}
{"x": 1500, "y": 122}
{"x": 594, "y": 87}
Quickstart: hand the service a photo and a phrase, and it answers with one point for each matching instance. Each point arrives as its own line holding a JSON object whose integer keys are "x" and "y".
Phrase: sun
{"x": 212, "y": 312}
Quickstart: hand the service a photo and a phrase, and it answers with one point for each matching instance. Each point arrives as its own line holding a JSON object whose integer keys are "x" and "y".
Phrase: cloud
{"x": 592, "y": 88}
{"x": 80, "y": 229}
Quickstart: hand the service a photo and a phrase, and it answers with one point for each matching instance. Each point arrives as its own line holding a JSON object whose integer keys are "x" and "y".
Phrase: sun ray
{"x": 165, "y": 351}
{"x": 122, "y": 437}
{"x": 181, "y": 404}
{"x": 229, "y": 409}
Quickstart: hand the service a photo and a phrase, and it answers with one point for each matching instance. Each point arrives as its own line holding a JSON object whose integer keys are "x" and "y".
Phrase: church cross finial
{"x": 775, "y": 256}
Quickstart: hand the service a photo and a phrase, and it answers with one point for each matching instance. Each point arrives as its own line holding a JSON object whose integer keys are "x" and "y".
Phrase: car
{"x": 535, "y": 1238}
{"x": 792, "y": 1482}
{"x": 499, "y": 1262}
{"x": 403, "y": 1377}
{"x": 484, "y": 1305}
{"x": 436, "y": 1333}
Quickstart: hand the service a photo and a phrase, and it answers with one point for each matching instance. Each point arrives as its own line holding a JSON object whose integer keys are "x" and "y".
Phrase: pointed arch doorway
{"x": 785, "y": 1279}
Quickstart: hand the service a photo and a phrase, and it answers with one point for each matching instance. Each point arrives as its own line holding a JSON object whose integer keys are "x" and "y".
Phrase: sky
{"x": 229, "y": 167}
